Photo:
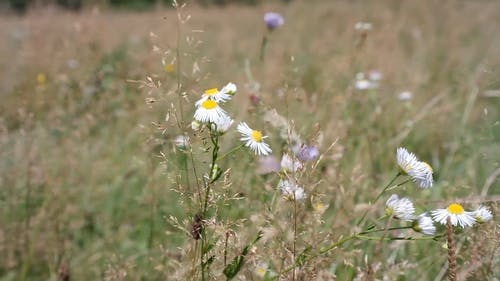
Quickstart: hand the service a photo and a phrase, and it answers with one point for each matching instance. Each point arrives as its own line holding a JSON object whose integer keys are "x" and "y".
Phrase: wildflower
{"x": 267, "y": 165}
{"x": 320, "y": 207}
{"x": 229, "y": 89}
{"x": 291, "y": 191}
{"x": 400, "y": 208}
{"x": 482, "y": 214}
{"x": 41, "y": 78}
{"x": 273, "y": 20}
{"x": 181, "y": 141}
{"x": 215, "y": 95}
{"x": 289, "y": 164}
{"x": 209, "y": 111}
{"x": 423, "y": 175}
{"x": 457, "y": 215}
{"x": 195, "y": 125}
{"x": 375, "y": 75}
{"x": 253, "y": 139}
{"x": 261, "y": 269}
{"x": 223, "y": 124}
{"x": 168, "y": 68}
{"x": 362, "y": 83}
{"x": 424, "y": 224}
{"x": 308, "y": 153}
{"x": 405, "y": 96}
{"x": 363, "y": 26}
{"x": 420, "y": 172}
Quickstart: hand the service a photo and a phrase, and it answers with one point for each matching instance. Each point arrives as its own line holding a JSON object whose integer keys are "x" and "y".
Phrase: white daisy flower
{"x": 253, "y": 139}
{"x": 422, "y": 175}
{"x": 362, "y": 83}
{"x": 482, "y": 214}
{"x": 229, "y": 89}
{"x": 457, "y": 215}
{"x": 209, "y": 111}
{"x": 223, "y": 124}
{"x": 215, "y": 95}
{"x": 291, "y": 191}
{"x": 424, "y": 224}
{"x": 420, "y": 172}
{"x": 290, "y": 164}
{"x": 400, "y": 208}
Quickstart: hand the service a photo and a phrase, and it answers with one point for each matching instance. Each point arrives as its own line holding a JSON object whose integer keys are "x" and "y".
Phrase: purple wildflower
{"x": 308, "y": 153}
{"x": 273, "y": 20}
{"x": 268, "y": 164}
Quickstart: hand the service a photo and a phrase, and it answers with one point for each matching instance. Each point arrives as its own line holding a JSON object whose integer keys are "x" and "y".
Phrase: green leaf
{"x": 234, "y": 267}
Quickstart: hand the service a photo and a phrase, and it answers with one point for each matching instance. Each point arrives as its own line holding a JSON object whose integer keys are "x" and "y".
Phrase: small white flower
{"x": 424, "y": 224}
{"x": 420, "y": 172}
{"x": 482, "y": 214}
{"x": 363, "y": 26}
{"x": 253, "y": 139}
{"x": 223, "y": 124}
{"x": 181, "y": 141}
{"x": 457, "y": 215}
{"x": 422, "y": 175}
{"x": 290, "y": 164}
{"x": 291, "y": 190}
{"x": 261, "y": 269}
{"x": 400, "y": 208}
{"x": 229, "y": 89}
{"x": 405, "y": 96}
{"x": 215, "y": 95}
{"x": 209, "y": 111}
{"x": 375, "y": 75}
{"x": 362, "y": 83}
{"x": 195, "y": 125}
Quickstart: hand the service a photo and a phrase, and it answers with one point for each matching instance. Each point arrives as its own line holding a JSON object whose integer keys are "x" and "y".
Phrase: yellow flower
{"x": 169, "y": 68}
{"x": 41, "y": 79}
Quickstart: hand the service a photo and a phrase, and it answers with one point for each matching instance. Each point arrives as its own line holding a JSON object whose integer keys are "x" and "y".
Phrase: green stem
{"x": 378, "y": 238}
{"x": 378, "y": 196}
{"x": 263, "y": 47}
{"x": 234, "y": 149}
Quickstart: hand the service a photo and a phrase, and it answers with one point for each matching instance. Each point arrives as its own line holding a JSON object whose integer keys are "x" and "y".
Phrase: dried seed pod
{"x": 197, "y": 226}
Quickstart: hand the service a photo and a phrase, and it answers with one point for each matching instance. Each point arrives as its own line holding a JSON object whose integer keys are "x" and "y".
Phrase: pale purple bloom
{"x": 273, "y": 20}
{"x": 308, "y": 153}
{"x": 268, "y": 165}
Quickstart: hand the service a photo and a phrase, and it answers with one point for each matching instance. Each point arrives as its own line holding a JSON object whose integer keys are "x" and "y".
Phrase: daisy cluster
{"x": 209, "y": 112}
{"x": 403, "y": 209}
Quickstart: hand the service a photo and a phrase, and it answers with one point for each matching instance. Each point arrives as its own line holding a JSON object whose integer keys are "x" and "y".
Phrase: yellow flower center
{"x": 256, "y": 136}
{"x": 209, "y": 104}
{"x": 40, "y": 78}
{"x": 211, "y": 92}
{"x": 455, "y": 209}
{"x": 261, "y": 271}
{"x": 168, "y": 68}
{"x": 428, "y": 166}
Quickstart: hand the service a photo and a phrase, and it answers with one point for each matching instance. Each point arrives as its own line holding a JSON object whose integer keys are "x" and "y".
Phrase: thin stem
{"x": 294, "y": 232}
{"x": 378, "y": 238}
{"x": 234, "y": 149}
{"x": 378, "y": 197}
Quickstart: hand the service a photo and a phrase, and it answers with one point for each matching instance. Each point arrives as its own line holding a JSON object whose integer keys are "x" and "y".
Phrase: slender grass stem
{"x": 378, "y": 197}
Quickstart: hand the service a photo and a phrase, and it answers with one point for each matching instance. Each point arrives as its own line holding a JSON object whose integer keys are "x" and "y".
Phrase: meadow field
{"x": 105, "y": 176}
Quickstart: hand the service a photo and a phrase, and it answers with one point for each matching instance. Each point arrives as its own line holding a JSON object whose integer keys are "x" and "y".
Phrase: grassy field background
{"x": 91, "y": 181}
